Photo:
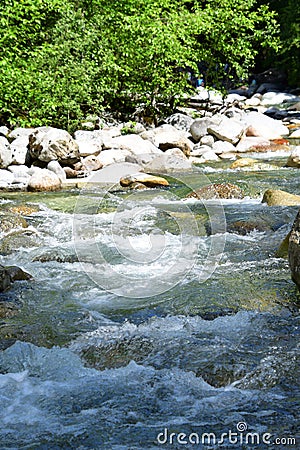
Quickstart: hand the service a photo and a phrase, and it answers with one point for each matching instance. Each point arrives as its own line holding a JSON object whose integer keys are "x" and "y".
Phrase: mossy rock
{"x": 10, "y": 221}
{"x": 218, "y": 190}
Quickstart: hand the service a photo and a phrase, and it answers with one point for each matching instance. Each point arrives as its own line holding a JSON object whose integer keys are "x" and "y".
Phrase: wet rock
{"x": 243, "y": 227}
{"x": 5, "y": 153}
{"x": 10, "y": 274}
{"x": 218, "y": 190}
{"x": 44, "y": 180}
{"x": 283, "y": 250}
{"x": 294, "y": 158}
{"x": 243, "y": 162}
{"x": 7, "y": 310}
{"x": 143, "y": 178}
{"x": 58, "y": 255}
{"x": 294, "y": 251}
{"x": 47, "y": 144}
{"x": 24, "y": 210}
{"x": 19, "y": 239}
{"x": 276, "y": 197}
{"x": 10, "y": 221}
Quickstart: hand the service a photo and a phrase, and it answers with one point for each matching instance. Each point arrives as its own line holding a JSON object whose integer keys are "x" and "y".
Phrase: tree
{"x": 67, "y": 59}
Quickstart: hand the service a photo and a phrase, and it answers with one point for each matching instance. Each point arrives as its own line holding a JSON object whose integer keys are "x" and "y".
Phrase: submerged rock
{"x": 218, "y": 190}
{"x": 294, "y": 251}
{"x": 10, "y": 221}
{"x": 143, "y": 178}
{"x": 10, "y": 274}
{"x": 294, "y": 158}
{"x": 276, "y": 197}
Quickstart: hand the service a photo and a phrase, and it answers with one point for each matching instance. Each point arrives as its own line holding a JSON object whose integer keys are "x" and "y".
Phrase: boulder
{"x": 260, "y": 125}
{"x": 166, "y": 137}
{"x": 227, "y": 129}
{"x": 19, "y": 150}
{"x": 295, "y": 134}
{"x": 4, "y": 131}
{"x": 113, "y": 173}
{"x": 276, "y": 197}
{"x": 209, "y": 155}
{"x": 10, "y": 221}
{"x": 47, "y": 144}
{"x": 71, "y": 173}
{"x": 108, "y": 157}
{"x": 199, "y": 149}
{"x": 276, "y": 98}
{"x": 19, "y": 239}
{"x": 143, "y": 178}
{"x": 254, "y": 100}
{"x": 55, "y": 167}
{"x": 10, "y": 274}
{"x": 294, "y": 251}
{"x": 180, "y": 121}
{"x": 222, "y": 147}
{"x": 6, "y": 177}
{"x": 200, "y": 126}
{"x": 168, "y": 163}
{"x": 252, "y": 143}
{"x": 137, "y": 146}
{"x": 44, "y": 180}
{"x": 5, "y": 153}
{"x": 20, "y": 133}
{"x": 243, "y": 162}
{"x": 294, "y": 158}
{"x": 88, "y": 164}
{"x": 218, "y": 190}
{"x": 207, "y": 140}
{"x": 89, "y": 142}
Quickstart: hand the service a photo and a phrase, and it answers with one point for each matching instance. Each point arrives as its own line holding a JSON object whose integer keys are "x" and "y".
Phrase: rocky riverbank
{"x": 47, "y": 158}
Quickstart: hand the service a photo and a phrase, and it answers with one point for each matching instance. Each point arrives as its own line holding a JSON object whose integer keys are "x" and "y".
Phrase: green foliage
{"x": 64, "y": 60}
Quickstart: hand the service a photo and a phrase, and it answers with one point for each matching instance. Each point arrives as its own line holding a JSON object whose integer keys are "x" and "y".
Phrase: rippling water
{"x": 150, "y": 316}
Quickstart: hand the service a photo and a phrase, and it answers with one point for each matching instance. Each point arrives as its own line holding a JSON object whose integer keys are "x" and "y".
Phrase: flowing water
{"x": 152, "y": 321}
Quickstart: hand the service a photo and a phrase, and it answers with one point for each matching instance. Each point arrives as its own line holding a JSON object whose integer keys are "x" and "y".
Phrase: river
{"x": 153, "y": 321}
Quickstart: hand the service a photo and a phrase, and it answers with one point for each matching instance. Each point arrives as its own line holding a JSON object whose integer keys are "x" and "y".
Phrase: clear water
{"x": 150, "y": 315}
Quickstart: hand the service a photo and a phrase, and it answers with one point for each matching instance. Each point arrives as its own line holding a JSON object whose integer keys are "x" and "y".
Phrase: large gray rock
{"x": 19, "y": 150}
{"x": 137, "y": 146}
{"x": 168, "y": 163}
{"x": 294, "y": 158}
{"x": 20, "y": 133}
{"x": 113, "y": 173}
{"x": 47, "y": 144}
{"x": 166, "y": 137}
{"x": 227, "y": 129}
{"x": 55, "y": 167}
{"x": 260, "y": 125}
{"x": 180, "y": 121}
{"x": 108, "y": 157}
{"x": 200, "y": 126}
{"x": 89, "y": 142}
{"x": 5, "y": 153}
{"x": 294, "y": 251}
{"x": 44, "y": 180}
{"x": 222, "y": 147}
